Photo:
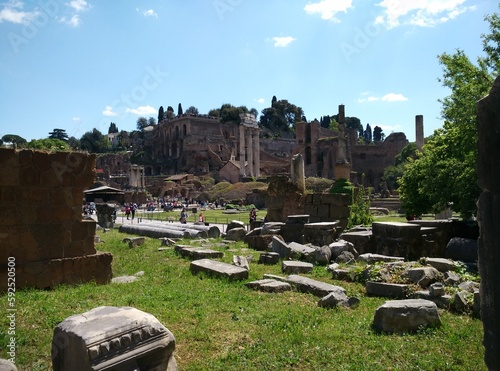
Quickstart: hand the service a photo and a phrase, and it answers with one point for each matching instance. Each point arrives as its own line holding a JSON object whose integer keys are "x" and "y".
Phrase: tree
{"x": 192, "y": 110}
{"x": 377, "y": 134}
{"x": 59, "y": 134}
{"x": 179, "y": 110}
{"x": 161, "y": 114}
{"x": 73, "y": 143}
{"x": 48, "y": 144}
{"x": 353, "y": 123}
{"x": 393, "y": 173}
{"x": 273, "y": 100}
{"x": 112, "y": 128}
{"x": 444, "y": 174}
{"x": 280, "y": 119}
{"x": 19, "y": 142}
{"x": 228, "y": 112}
{"x": 367, "y": 134}
{"x": 142, "y": 122}
{"x": 254, "y": 112}
{"x": 170, "y": 112}
{"x": 94, "y": 142}
{"x": 151, "y": 121}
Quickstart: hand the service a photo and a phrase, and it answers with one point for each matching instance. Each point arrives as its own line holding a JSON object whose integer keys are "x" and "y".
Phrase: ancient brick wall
{"x": 284, "y": 199}
{"x": 41, "y": 226}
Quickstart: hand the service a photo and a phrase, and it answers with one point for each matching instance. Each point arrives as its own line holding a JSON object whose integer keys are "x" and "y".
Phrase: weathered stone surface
{"x": 321, "y": 233}
{"x": 235, "y": 224}
{"x": 462, "y": 249}
{"x": 292, "y": 266}
{"x": 460, "y": 302}
{"x": 451, "y": 278}
{"x": 437, "y": 289}
{"x": 219, "y": 269}
{"x": 441, "y": 264}
{"x": 323, "y": 255}
{"x": 271, "y": 228}
{"x": 241, "y": 261}
{"x": 269, "y": 285}
{"x": 362, "y": 241}
{"x": 335, "y": 299}
{"x": 342, "y": 274}
{"x": 105, "y": 214}
{"x": 338, "y": 247}
{"x": 124, "y": 279}
{"x": 259, "y": 242}
{"x": 387, "y": 290}
{"x": 374, "y": 258}
{"x": 300, "y": 251}
{"x": 469, "y": 286}
{"x": 278, "y": 245}
{"x": 397, "y": 239}
{"x": 118, "y": 338}
{"x": 197, "y": 252}
{"x": 6, "y": 365}
{"x": 408, "y": 315}
{"x": 136, "y": 241}
{"x": 346, "y": 257}
{"x": 236, "y": 234}
{"x": 423, "y": 276}
{"x": 316, "y": 288}
{"x": 269, "y": 258}
{"x": 443, "y": 302}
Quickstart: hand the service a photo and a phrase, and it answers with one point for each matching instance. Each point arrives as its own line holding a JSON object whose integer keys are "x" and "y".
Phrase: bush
{"x": 342, "y": 185}
{"x": 318, "y": 185}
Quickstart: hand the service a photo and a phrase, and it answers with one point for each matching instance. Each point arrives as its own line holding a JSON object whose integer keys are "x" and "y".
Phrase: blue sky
{"x": 79, "y": 65}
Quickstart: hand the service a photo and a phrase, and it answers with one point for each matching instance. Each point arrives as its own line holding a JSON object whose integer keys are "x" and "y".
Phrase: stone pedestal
{"x": 398, "y": 239}
{"x": 113, "y": 338}
{"x": 320, "y": 234}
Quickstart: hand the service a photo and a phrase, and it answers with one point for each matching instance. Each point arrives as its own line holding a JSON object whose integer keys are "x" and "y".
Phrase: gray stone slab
{"x": 441, "y": 264}
{"x": 387, "y": 290}
{"x": 219, "y": 269}
{"x": 112, "y": 338}
{"x": 316, "y": 288}
{"x": 269, "y": 285}
{"x": 374, "y": 258}
{"x": 292, "y": 266}
{"x": 442, "y": 302}
{"x": 198, "y": 253}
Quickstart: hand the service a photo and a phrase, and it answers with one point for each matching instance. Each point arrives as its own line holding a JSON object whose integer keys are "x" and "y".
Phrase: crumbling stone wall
{"x": 41, "y": 226}
{"x": 284, "y": 199}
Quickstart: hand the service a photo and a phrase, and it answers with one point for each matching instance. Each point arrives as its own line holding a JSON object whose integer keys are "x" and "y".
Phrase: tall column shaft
{"x": 250, "y": 151}
{"x": 242, "y": 150}
{"x": 257, "y": 153}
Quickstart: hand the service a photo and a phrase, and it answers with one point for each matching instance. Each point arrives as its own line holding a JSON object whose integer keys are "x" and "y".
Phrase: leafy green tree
{"x": 142, "y": 122}
{"x": 59, "y": 134}
{"x": 192, "y": 110}
{"x": 280, "y": 119}
{"x": 112, "y": 128}
{"x": 214, "y": 112}
{"x": 170, "y": 112}
{"x": 161, "y": 114}
{"x": 393, "y": 173}
{"x": 48, "y": 144}
{"x": 377, "y": 134}
{"x": 367, "y": 134}
{"x": 445, "y": 172}
{"x": 19, "y": 142}
{"x": 73, "y": 143}
{"x": 151, "y": 121}
{"x": 94, "y": 142}
{"x": 228, "y": 112}
{"x": 353, "y": 123}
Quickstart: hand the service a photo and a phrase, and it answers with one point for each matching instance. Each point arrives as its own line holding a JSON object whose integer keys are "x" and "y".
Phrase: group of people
{"x": 130, "y": 210}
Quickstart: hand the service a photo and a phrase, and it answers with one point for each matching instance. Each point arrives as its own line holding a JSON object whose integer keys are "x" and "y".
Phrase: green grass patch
{"x": 223, "y": 325}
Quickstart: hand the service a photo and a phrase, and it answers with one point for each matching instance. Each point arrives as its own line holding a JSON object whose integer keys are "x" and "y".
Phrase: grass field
{"x": 222, "y": 325}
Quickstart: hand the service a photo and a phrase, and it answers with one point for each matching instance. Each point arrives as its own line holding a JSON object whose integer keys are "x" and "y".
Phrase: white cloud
{"x": 390, "y": 97}
{"x": 74, "y": 21}
{"x": 142, "y": 110}
{"x": 282, "y": 42}
{"x": 79, "y": 5}
{"x": 422, "y": 13}
{"x": 77, "y": 119}
{"x": 261, "y": 100}
{"x": 150, "y": 13}
{"x": 328, "y": 8}
{"x": 11, "y": 12}
{"x": 108, "y": 111}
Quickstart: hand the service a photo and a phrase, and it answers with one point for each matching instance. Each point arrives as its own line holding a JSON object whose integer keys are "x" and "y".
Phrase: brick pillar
{"x": 250, "y": 151}
{"x": 419, "y": 131}
{"x": 257, "y": 153}
{"x": 242, "y": 150}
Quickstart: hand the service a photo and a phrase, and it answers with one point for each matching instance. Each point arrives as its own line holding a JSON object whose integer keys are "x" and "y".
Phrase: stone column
{"x": 250, "y": 150}
{"x": 419, "y": 131}
{"x": 298, "y": 173}
{"x": 488, "y": 216}
{"x": 242, "y": 150}
{"x": 257, "y": 153}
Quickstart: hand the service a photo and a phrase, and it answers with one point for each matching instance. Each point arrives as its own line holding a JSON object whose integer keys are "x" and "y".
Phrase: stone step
{"x": 218, "y": 269}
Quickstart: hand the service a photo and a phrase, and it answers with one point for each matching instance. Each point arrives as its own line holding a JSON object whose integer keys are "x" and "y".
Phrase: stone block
{"x": 314, "y": 287}
{"x": 112, "y": 338}
{"x": 405, "y": 316}
{"x": 259, "y": 243}
{"x": 269, "y": 285}
{"x": 269, "y": 258}
{"x": 292, "y": 266}
{"x": 219, "y": 269}
{"x": 198, "y": 253}
{"x": 387, "y": 290}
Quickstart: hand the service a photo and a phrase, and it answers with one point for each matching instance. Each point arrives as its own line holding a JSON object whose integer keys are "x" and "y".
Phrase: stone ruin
{"x": 488, "y": 128}
{"x": 41, "y": 226}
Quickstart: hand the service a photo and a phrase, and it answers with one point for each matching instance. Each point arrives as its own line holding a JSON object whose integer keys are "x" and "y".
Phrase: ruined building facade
{"x": 231, "y": 151}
